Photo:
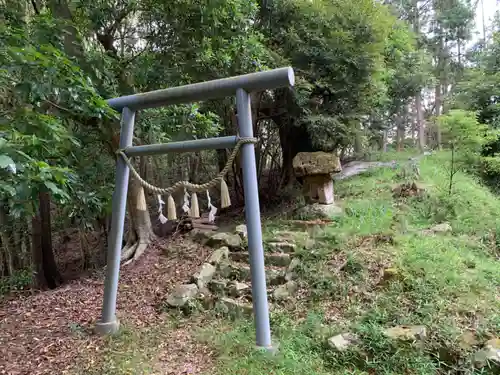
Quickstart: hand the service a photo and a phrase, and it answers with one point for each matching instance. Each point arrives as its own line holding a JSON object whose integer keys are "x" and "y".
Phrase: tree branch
{"x": 33, "y": 3}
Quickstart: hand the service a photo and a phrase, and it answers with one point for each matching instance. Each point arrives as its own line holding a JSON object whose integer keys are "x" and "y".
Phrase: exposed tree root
{"x": 134, "y": 249}
{"x": 140, "y": 234}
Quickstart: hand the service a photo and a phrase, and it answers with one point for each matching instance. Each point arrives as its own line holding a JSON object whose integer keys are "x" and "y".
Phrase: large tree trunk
{"x": 140, "y": 229}
{"x": 47, "y": 274}
{"x": 437, "y": 112}
{"x": 420, "y": 121}
{"x": 293, "y": 139}
{"x": 400, "y": 130}
{"x": 6, "y": 241}
{"x": 358, "y": 140}
{"x": 140, "y": 233}
{"x": 385, "y": 138}
{"x": 418, "y": 96}
{"x": 440, "y": 89}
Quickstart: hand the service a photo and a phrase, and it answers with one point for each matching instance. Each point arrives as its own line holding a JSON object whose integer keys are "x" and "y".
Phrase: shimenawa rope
{"x": 186, "y": 184}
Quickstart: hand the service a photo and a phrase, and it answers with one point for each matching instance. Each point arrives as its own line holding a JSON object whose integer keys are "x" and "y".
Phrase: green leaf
{"x": 7, "y": 189}
{"x": 6, "y": 161}
{"x": 53, "y": 188}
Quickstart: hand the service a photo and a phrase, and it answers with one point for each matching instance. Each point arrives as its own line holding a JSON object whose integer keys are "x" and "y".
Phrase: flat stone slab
{"x": 275, "y": 277}
{"x": 343, "y": 341}
{"x": 280, "y": 259}
{"x": 204, "y": 275}
{"x": 232, "y": 241}
{"x": 218, "y": 286}
{"x": 238, "y": 289}
{"x": 285, "y": 291}
{"x": 289, "y": 236}
{"x": 490, "y": 354}
{"x": 219, "y": 255}
{"x": 234, "y": 272}
{"x": 242, "y": 231}
{"x": 284, "y": 247}
{"x": 318, "y": 211}
{"x": 182, "y": 294}
{"x": 406, "y": 333}
{"x": 200, "y": 235}
{"x": 236, "y": 307}
{"x": 315, "y": 163}
{"x": 438, "y": 229}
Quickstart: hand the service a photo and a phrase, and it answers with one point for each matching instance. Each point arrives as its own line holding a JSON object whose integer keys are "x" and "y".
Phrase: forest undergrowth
{"x": 376, "y": 267}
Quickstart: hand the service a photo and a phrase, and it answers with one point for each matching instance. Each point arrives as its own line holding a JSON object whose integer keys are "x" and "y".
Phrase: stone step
{"x": 282, "y": 247}
{"x": 271, "y": 259}
{"x": 236, "y": 307}
{"x": 232, "y": 241}
{"x": 278, "y": 259}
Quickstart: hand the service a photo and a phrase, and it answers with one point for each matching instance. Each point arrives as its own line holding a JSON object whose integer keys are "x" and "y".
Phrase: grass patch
{"x": 131, "y": 351}
{"x": 449, "y": 283}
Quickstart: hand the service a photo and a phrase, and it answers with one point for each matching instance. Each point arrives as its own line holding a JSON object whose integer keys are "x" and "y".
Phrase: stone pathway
{"x": 225, "y": 279}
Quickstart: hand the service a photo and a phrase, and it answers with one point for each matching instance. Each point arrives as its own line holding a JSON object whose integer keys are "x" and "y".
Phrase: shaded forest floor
{"x": 376, "y": 267}
{"x": 51, "y": 332}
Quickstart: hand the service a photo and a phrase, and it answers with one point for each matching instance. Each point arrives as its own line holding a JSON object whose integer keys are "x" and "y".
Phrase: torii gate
{"x": 240, "y": 86}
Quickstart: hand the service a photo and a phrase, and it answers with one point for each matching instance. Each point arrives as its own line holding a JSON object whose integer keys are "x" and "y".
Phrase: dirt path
{"x": 355, "y": 168}
{"x": 49, "y": 332}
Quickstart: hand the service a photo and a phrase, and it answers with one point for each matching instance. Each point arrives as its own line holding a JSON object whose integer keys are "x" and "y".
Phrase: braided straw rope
{"x": 186, "y": 184}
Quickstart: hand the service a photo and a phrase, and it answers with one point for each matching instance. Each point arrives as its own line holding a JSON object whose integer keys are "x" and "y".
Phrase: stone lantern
{"x": 317, "y": 169}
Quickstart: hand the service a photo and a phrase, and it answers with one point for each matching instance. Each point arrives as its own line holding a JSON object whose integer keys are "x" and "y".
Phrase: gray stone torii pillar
{"x": 240, "y": 86}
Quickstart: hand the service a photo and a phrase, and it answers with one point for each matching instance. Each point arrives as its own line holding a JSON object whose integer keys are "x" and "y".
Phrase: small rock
{"x": 200, "y": 235}
{"x": 232, "y": 241}
{"x": 182, "y": 294}
{"x": 230, "y": 271}
{"x": 490, "y": 354}
{"x": 441, "y": 228}
{"x": 437, "y": 229}
{"x": 293, "y": 264}
{"x": 236, "y": 307}
{"x": 389, "y": 274}
{"x": 244, "y": 273}
{"x": 408, "y": 189}
{"x": 238, "y": 289}
{"x": 218, "y": 286}
{"x": 275, "y": 277}
{"x": 219, "y": 255}
{"x": 203, "y": 292}
{"x": 241, "y": 230}
{"x": 280, "y": 260}
{"x": 406, "y": 333}
{"x": 467, "y": 340}
{"x": 493, "y": 343}
{"x": 225, "y": 269}
{"x": 343, "y": 341}
{"x": 289, "y": 236}
{"x": 204, "y": 275}
{"x": 285, "y": 291}
{"x": 284, "y": 247}
{"x": 290, "y": 271}
{"x": 318, "y": 211}
{"x": 309, "y": 244}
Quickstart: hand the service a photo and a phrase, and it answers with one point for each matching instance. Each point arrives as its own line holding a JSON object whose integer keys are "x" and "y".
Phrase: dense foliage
{"x": 364, "y": 70}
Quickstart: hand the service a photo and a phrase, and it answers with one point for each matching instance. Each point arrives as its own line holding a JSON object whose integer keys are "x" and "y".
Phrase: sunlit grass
{"x": 450, "y": 282}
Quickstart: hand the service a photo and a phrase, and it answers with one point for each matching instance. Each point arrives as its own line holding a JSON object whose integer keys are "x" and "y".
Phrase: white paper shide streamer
{"x": 185, "y": 206}
{"x": 161, "y": 217}
{"x": 212, "y": 208}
